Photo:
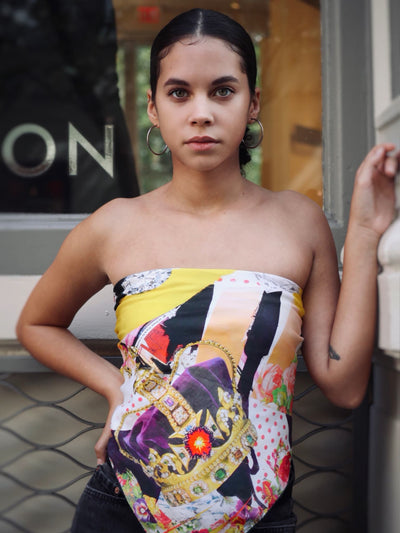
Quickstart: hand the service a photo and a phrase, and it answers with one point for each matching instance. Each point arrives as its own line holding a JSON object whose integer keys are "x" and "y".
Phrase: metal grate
{"x": 323, "y": 459}
{"x": 47, "y": 430}
{"x": 49, "y": 424}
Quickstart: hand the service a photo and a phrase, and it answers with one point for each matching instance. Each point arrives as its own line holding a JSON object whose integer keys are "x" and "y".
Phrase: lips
{"x": 201, "y": 143}
{"x": 200, "y": 140}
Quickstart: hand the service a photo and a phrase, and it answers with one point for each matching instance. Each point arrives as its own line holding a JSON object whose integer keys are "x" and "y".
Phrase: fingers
{"x": 391, "y": 166}
{"x": 101, "y": 446}
{"x": 100, "y": 454}
{"x": 381, "y": 159}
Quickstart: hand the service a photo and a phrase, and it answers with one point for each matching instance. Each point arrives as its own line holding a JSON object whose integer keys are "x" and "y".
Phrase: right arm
{"x": 75, "y": 275}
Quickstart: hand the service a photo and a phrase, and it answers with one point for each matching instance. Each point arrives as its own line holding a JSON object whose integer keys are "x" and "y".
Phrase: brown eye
{"x": 179, "y": 93}
{"x": 224, "y": 92}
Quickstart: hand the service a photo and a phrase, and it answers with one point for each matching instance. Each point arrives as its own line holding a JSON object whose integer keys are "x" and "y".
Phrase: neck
{"x": 200, "y": 193}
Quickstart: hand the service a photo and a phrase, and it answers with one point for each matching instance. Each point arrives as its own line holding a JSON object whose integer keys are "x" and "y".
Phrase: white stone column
{"x": 384, "y": 452}
{"x": 389, "y": 285}
{"x": 388, "y": 130}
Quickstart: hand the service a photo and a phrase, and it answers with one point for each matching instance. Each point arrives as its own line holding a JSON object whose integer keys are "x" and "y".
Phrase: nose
{"x": 201, "y": 112}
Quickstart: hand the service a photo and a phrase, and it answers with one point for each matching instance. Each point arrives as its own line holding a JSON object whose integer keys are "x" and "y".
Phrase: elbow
{"x": 21, "y": 331}
{"x": 347, "y": 399}
{"x": 350, "y": 403}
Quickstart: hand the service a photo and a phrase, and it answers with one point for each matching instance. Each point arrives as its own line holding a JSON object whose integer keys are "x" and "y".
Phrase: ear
{"x": 254, "y": 107}
{"x": 151, "y": 109}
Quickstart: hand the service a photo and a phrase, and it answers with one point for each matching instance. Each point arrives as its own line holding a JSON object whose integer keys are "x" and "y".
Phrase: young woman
{"x": 217, "y": 281}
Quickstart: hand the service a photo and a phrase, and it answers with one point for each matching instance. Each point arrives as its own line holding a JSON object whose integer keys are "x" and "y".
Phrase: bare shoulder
{"x": 90, "y": 241}
{"x": 299, "y": 204}
{"x": 108, "y": 215}
{"x": 104, "y": 225}
{"x": 120, "y": 210}
{"x": 309, "y": 219}
{"x": 297, "y": 212}
{"x": 285, "y": 199}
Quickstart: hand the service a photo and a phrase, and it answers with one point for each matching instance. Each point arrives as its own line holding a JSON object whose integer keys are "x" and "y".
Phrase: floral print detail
{"x": 284, "y": 469}
{"x": 279, "y": 462}
{"x": 141, "y": 510}
{"x": 267, "y": 493}
{"x": 274, "y": 385}
{"x": 132, "y": 490}
{"x": 289, "y": 378}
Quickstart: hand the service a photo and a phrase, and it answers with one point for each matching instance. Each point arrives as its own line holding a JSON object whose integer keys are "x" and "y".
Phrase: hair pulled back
{"x": 206, "y": 23}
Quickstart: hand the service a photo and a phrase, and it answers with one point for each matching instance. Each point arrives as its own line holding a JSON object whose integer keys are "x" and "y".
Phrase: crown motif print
{"x": 205, "y": 446}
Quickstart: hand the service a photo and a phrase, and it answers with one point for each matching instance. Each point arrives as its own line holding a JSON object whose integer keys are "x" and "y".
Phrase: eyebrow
{"x": 218, "y": 81}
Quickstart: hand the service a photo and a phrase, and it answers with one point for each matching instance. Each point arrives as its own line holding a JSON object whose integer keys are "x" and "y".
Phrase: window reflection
{"x": 73, "y": 99}
{"x": 64, "y": 143}
{"x": 291, "y": 106}
{"x": 286, "y": 34}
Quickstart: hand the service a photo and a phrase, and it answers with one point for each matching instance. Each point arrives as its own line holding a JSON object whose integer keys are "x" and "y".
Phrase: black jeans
{"x": 103, "y": 508}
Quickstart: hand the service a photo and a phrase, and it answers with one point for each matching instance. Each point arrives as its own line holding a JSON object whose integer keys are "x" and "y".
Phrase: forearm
{"x": 56, "y": 348}
{"x": 353, "y": 331}
{"x": 340, "y": 322}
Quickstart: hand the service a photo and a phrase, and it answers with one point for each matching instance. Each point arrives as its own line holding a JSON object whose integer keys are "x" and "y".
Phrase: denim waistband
{"x": 104, "y": 478}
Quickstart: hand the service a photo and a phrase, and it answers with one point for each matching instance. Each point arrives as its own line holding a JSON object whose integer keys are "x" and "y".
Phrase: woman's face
{"x": 203, "y": 103}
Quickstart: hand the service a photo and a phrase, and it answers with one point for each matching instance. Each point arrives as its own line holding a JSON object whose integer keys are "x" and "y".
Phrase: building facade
{"x": 331, "y": 78}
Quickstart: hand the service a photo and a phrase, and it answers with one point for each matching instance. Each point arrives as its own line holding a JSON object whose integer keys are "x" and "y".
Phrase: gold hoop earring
{"x": 248, "y": 136}
{"x": 148, "y": 142}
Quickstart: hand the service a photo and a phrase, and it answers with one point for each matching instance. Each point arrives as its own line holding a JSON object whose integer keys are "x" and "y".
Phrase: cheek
{"x": 238, "y": 119}
{"x": 169, "y": 133}
{"x": 238, "y": 130}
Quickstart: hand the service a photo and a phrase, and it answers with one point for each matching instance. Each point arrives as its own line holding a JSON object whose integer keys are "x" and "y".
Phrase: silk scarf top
{"x": 202, "y": 439}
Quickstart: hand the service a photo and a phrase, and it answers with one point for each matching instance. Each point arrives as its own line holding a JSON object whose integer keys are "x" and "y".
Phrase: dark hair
{"x": 201, "y": 23}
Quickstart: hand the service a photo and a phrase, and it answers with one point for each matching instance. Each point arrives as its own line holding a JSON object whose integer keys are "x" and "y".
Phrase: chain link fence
{"x": 49, "y": 425}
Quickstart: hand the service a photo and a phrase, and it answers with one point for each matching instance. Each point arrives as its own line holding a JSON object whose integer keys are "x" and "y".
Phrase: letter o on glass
{"x": 7, "y": 150}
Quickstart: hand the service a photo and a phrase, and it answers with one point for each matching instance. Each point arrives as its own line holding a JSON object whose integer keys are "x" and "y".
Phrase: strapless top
{"x": 202, "y": 439}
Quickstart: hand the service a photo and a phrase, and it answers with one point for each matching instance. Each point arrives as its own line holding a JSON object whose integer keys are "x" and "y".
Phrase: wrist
{"x": 362, "y": 237}
{"x": 112, "y": 388}
{"x": 361, "y": 246}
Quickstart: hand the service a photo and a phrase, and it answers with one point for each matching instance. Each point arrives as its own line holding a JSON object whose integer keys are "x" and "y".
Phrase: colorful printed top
{"x": 202, "y": 439}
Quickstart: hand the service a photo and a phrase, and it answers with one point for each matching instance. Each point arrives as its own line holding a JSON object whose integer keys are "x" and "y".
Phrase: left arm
{"x": 339, "y": 325}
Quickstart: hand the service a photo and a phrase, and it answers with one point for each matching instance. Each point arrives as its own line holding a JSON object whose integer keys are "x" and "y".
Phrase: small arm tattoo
{"x": 333, "y": 354}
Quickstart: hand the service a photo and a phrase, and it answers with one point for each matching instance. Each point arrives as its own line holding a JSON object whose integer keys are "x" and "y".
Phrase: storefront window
{"x": 291, "y": 105}
{"x": 64, "y": 145}
{"x": 73, "y": 99}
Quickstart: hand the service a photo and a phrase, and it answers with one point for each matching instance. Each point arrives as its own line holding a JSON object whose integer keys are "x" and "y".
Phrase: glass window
{"x": 64, "y": 146}
{"x": 73, "y": 99}
{"x": 291, "y": 105}
{"x": 286, "y": 34}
